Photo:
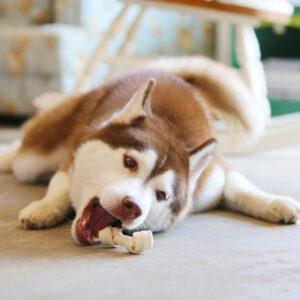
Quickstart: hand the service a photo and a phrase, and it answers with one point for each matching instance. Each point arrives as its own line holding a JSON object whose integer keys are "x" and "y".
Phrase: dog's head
{"x": 134, "y": 172}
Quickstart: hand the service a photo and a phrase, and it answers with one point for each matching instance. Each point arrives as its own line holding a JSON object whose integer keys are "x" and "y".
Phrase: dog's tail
{"x": 225, "y": 91}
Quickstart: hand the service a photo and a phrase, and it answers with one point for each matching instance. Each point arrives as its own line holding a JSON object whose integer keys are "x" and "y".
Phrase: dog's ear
{"x": 139, "y": 103}
{"x": 200, "y": 157}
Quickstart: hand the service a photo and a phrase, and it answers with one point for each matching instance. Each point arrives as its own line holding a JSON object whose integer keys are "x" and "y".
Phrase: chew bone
{"x": 113, "y": 236}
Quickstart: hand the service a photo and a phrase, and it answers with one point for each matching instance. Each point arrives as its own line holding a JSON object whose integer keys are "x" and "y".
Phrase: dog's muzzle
{"x": 95, "y": 218}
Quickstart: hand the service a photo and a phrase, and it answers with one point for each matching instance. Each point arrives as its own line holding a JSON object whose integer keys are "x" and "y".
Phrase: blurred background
{"x": 45, "y": 44}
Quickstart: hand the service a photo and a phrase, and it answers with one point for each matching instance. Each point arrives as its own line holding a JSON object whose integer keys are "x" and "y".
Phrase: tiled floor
{"x": 216, "y": 255}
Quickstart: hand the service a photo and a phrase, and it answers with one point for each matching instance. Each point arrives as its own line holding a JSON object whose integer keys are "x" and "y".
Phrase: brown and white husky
{"x": 140, "y": 152}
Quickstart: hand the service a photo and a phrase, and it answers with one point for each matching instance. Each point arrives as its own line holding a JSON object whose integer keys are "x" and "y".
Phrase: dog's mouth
{"x": 94, "y": 219}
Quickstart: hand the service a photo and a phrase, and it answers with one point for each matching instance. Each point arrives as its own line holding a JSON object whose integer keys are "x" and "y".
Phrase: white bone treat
{"x": 112, "y": 236}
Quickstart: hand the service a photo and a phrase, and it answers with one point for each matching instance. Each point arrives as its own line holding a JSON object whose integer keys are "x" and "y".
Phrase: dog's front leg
{"x": 241, "y": 195}
{"x": 53, "y": 208}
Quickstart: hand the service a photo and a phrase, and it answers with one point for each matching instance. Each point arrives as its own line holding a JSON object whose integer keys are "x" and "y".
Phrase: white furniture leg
{"x": 223, "y": 42}
{"x": 248, "y": 56}
{"x": 128, "y": 35}
{"x": 95, "y": 58}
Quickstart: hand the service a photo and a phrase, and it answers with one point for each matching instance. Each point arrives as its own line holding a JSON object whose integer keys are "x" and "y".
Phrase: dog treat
{"x": 138, "y": 242}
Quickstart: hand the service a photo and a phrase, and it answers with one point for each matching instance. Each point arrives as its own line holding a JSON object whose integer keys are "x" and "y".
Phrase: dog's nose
{"x": 130, "y": 209}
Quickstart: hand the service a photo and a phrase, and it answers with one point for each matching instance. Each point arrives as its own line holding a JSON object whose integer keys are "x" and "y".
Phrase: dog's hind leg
{"x": 53, "y": 208}
{"x": 7, "y": 154}
{"x": 241, "y": 195}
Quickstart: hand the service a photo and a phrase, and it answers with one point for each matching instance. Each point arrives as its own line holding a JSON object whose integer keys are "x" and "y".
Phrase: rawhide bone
{"x": 138, "y": 242}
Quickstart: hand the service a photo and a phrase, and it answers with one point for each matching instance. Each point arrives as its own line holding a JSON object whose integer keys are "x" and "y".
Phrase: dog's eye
{"x": 161, "y": 196}
{"x": 130, "y": 163}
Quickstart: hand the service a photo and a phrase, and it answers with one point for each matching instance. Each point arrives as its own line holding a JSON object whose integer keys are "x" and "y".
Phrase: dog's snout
{"x": 127, "y": 210}
{"x": 130, "y": 209}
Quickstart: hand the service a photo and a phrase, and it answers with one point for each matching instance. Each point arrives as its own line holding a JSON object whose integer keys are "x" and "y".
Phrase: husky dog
{"x": 140, "y": 152}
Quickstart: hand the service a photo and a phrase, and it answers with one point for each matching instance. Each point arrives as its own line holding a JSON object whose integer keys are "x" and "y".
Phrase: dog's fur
{"x": 165, "y": 123}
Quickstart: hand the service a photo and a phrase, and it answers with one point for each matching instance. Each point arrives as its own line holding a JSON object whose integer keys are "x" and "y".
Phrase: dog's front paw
{"x": 283, "y": 210}
{"x": 39, "y": 215}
